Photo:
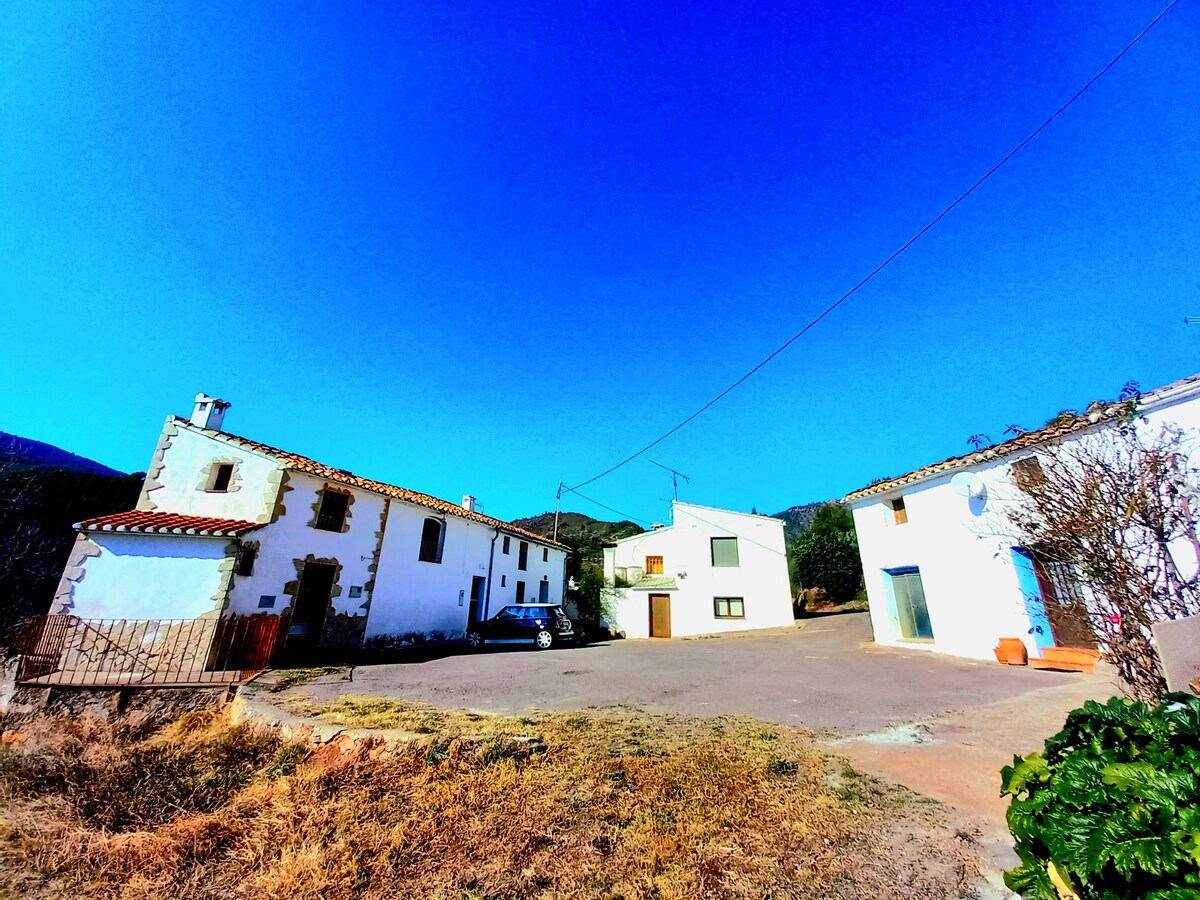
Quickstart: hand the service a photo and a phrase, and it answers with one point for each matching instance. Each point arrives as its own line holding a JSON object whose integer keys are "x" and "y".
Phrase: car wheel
{"x": 474, "y": 640}
{"x": 544, "y": 640}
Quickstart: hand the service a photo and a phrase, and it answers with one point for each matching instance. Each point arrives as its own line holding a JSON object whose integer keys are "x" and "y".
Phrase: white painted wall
{"x": 148, "y": 576}
{"x": 177, "y": 485}
{"x": 761, "y": 578}
{"x": 433, "y": 599}
{"x": 292, "y": 537}
{"x": 965, "y": 562}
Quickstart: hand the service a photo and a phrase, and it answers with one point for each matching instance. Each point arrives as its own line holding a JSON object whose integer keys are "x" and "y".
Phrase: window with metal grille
{"x": 654, "y": 565}
{"x": 332, "y": 514}
{"x": 729, "y": 607}
{"x": 431, "y": 541}
{"x": 724, "y": 551}
{"x": 523, "y": 556}
{"x": 245, "y": 561}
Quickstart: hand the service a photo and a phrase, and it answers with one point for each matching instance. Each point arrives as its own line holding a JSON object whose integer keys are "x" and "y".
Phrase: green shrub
{"x": 1111, "y": 809}
{"x": 828, "y": 560}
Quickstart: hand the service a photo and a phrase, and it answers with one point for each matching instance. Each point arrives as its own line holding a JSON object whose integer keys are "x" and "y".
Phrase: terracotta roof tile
{"x": 329, "y": 473}
{"x": 142, "y": 522}
{"x": 1056, "y": 430}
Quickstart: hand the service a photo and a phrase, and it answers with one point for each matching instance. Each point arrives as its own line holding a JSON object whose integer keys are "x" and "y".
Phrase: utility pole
{"x": 557, "y": 507}
{"x": 675, "y": 476}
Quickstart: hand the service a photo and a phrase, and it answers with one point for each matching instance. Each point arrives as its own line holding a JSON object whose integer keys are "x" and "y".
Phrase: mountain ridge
{"x": 27, "y": 453}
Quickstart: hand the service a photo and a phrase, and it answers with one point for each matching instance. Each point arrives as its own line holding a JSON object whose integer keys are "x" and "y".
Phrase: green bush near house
{"x": 1111, "y": 808}
{"x": 828, "y": 560}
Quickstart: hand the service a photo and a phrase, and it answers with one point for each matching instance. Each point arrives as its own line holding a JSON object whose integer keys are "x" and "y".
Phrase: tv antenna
{"x": 675, "y": 476}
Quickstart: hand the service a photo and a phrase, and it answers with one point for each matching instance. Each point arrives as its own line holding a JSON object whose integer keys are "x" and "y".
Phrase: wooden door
{"x": 660, "y": 615}
{"x": 312, "y": 602}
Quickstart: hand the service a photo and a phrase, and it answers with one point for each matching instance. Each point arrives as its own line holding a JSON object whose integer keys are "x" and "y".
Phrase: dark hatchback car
{"x": 540, "y": 623}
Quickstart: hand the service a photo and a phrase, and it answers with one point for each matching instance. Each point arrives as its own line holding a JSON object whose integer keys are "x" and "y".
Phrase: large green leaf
{"x": 1143, "y": 781}
{"x": 1033, "y": 769}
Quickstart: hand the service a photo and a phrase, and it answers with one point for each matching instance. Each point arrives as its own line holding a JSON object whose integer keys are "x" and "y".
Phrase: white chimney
{"x": 468, "y": 503}
{"x": 209, "y": 412}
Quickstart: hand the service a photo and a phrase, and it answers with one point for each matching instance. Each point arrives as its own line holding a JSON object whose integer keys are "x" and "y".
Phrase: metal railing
{"x": 69, "y": 650}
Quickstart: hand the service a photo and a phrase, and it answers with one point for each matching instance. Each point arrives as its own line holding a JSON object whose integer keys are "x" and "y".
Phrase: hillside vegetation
{"x": 43, "y": 492}
{"x": 581, "y": 533}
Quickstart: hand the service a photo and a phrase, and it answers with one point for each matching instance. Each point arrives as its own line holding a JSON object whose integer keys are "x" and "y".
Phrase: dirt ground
{"x": 939, "y": 725}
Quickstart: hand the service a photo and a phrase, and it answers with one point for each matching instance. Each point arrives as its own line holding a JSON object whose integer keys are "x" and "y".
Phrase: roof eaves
{"x": 344, "y": 477}
{"x": 1150, "y": 400}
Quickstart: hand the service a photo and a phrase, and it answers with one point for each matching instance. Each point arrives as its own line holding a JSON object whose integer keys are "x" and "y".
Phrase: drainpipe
{"x": 487, "y": 590}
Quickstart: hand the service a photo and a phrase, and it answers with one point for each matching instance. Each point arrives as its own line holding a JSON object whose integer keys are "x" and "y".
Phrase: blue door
{"x": 1035, "y": 606}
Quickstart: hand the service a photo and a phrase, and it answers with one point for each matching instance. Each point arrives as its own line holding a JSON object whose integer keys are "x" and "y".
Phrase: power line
{"x": 883, "y": 265}
{"x": 603, "y": 506}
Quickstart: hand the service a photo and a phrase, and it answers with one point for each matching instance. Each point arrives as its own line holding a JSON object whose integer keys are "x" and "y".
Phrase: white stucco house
{"x": 711, "y": 570}
{"x": 227, "y": 526}
{"x": 939, "y": 573}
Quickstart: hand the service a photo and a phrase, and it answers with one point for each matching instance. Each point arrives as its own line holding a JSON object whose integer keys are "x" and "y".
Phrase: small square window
{"x": 899, "y": 513}
{"x": 654, "y": 565}
{"x": 1028, "y": 473}
{"x": 725, "y": 552}
{"x": 729, "y": 608}
{"x": 266, "y": 601}
{"x": 355, "y": 591}
{"x": 220, "y": 475}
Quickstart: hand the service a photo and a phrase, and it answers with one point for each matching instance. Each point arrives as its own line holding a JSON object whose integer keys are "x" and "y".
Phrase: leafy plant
{"x": 828, "y": 560}
{"x": 1111, "y": 808}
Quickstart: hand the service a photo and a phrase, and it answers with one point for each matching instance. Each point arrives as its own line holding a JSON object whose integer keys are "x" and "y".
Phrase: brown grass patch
{"x": 615, "y": 804}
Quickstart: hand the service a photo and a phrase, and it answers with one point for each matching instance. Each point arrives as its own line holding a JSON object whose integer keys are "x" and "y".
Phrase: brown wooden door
{"x": 660, "y": 615}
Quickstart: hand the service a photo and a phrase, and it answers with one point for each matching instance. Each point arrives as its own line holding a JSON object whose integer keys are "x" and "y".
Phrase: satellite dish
{"x": 968, "y": 484}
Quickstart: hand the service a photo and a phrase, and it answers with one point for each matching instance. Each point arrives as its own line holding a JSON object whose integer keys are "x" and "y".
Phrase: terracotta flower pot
{"x": 1013, "y": 652}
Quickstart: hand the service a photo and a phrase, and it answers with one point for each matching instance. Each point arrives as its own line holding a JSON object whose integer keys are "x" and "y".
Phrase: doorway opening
{"x": 310, "y": 608}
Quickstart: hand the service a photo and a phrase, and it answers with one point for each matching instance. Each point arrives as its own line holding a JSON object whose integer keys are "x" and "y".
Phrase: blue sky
{"x": 482, "y": 247}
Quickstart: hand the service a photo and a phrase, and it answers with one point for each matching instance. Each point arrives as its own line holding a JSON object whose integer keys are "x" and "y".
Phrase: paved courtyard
{"x": 940, "y": 725}
{"x": 825, "y": 674}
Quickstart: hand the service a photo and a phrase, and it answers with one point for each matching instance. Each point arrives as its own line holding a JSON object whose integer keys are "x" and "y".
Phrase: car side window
{"x": 509, "y": 612}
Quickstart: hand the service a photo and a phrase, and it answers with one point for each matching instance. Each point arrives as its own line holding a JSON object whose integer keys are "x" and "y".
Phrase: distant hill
{"x": 585, "y": 534}
{"x": 44, "y": 490}
{"x": 797, "y": 518}
{"x": 18, "y": 452}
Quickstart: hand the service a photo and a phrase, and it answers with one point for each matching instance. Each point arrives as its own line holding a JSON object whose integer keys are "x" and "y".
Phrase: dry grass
{"x": 290, "y": 678}
{"x": 614, "y": 804}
